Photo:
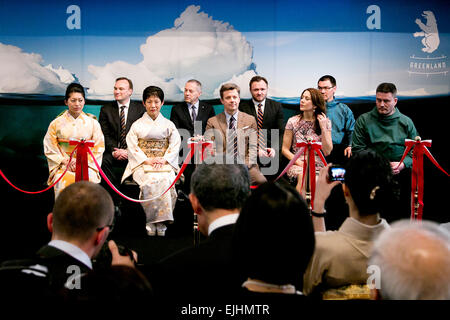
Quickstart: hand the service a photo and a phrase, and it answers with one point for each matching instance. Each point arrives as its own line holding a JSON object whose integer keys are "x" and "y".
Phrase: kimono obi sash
{"x": 65, "y": 147}
{"x": 154, "y": 147}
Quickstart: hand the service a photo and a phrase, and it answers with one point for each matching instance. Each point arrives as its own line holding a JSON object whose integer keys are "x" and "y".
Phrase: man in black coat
{"x": 80, "y": 222}
{"x": 205, "y": 271}
{"x": 190, "y": 118}
{"x": 269, "y": 115}
{"x": 115, "y": 120}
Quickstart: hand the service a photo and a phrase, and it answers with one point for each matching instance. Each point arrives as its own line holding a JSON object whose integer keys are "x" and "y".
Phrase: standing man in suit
{"x": 115, "y": 120}
{"x": 235, "y": 133}
{"x": 268, "y": 115}
{"x": 218, "y": 192}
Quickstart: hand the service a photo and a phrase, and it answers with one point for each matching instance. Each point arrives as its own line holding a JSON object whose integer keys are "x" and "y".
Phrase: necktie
{"x": 123, "y": 135}
{"x": 194, "y": 114}
{"x": 232, "y": 146}
{"x": 261, "y": 142}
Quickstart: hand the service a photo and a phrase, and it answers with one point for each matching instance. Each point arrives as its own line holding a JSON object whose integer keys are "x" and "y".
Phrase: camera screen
{"x": 337, "y": 174}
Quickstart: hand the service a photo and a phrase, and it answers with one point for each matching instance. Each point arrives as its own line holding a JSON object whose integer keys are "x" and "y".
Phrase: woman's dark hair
{"x": 370, "y": 180}
{"x": 74, "y": 87}
{"x": 318, "y": 101}
{"x": 153, "y": 91}
{"x": 273, "y": 239}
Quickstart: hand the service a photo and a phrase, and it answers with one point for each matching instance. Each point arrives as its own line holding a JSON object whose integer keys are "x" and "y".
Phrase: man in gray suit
{"x": 235, "y": 133}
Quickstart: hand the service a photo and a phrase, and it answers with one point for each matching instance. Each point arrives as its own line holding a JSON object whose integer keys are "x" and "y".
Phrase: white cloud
{"x": 23, "y": 72}
{"x": 64, "y": 75}
{"x": 197, "y": 47}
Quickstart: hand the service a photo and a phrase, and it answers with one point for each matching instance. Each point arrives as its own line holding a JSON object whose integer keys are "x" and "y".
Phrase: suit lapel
{"x": 187, "y": 116}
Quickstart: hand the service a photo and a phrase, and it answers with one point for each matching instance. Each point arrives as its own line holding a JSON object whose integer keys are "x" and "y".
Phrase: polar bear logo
{"x": 429, "y": 32}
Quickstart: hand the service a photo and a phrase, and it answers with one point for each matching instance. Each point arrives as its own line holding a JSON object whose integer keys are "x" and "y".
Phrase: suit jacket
{"x": 58, "y": 262}
{"x": 181, "y": 117}
{"x": 273, "y": 118}
{"x": 110, "y": 123}
{"x": 247, "y": 135}
{"x": 203, "y": 271}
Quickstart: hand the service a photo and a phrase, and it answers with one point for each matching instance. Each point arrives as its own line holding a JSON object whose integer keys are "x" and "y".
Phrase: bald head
{"x": 414, "y": 260}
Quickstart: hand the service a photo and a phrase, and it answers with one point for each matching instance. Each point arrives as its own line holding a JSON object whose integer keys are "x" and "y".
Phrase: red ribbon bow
{"x": 417, "y": 182}
{"x": 82, "y": 167}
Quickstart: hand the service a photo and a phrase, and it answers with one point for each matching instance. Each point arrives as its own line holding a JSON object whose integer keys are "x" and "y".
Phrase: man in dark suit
{"x": 192, "y": 109}
{"x": 235, "y": 133}
{"x": 268, "y": 115}
{"x": 115, "y": 120}
{"x": 81, "y": 221}
{"x": 190, "y": 117}
{"x": 218, "y": 191}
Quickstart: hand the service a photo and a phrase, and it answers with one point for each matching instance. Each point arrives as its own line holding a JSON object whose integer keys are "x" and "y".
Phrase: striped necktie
{"x": 261, "y": 142}
{"x": 194, "y": 114}
{"x": 123, "y": 134}
{"x": 232, "y": 145}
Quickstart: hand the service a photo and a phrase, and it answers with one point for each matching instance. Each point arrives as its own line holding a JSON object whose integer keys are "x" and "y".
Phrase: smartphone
{"x": 336, "y": 173}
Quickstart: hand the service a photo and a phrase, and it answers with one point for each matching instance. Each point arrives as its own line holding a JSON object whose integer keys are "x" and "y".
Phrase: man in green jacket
{"x": 384, "y": 129}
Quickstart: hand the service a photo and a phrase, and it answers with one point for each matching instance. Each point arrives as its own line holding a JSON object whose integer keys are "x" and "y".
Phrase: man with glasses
{"x": 82, "y": 219}
{"x": 342, "y": 121}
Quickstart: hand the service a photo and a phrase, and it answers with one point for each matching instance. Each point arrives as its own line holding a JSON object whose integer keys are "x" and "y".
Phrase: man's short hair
{"x": 414, "y": 261}
{"x": 387, "y": 87}
{"x": 130, "y": 83}
{"x": 221, "y": 186}
{"x": 153, "y": 91}
{"x": 257, "y": 79}
{"x": 80, "y": 209}
{"x": 198, "y": 83}
{"x": 227, "y": 87}
{"x": 328, "y": 77}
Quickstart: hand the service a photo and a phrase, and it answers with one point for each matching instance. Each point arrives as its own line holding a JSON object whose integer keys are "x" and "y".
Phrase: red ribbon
{"x": 40, "y": 191}
{"x": 417, "y": 180}
{"x": 312, "y": 148}
{"x": 183, "y": 167}
{"x": 82, "y": 166}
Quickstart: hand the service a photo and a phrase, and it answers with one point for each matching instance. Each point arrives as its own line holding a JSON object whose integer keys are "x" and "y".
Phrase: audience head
{"x": 414, "y": 261}
{"x": 327, "y": 87}
{"x": 386, "y": 99}
{"x": 192, "y": 91}
{"x": 75, "y": 99}
{"x": 274, "y": 237}
{"x": 83, "y": 213}
{"x": 123, "y": 89}
{"x": 153, "y": 100}
{"x": 258, "y": 88}
{"x": 369, "y": 183}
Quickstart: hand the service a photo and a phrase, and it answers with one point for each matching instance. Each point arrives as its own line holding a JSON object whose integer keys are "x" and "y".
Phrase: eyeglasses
{"x": 325, "y": 88}
{"x": 117, "y": 213}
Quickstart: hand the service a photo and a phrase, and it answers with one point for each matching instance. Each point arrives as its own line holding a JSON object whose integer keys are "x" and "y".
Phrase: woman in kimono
{"x": 153, "y": 144}
{"x": 313, "y": 123}
{"x": 72, "y": 124}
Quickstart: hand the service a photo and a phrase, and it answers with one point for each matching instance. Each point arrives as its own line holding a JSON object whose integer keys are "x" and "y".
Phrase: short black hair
{"x": 130, "y": 83}
{"x": 273, "y": 239}
{"x": 221, "y": 186}
{"x": 368, "y": 172}
{"x": 387, "y": 87}
{"x": 328, "y": 77}
{"x": 153, "y": 91}
{"x": 74, "y": 88}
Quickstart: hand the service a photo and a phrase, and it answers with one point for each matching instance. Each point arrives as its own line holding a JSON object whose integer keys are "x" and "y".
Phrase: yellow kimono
{"x": 57, "y": 148}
